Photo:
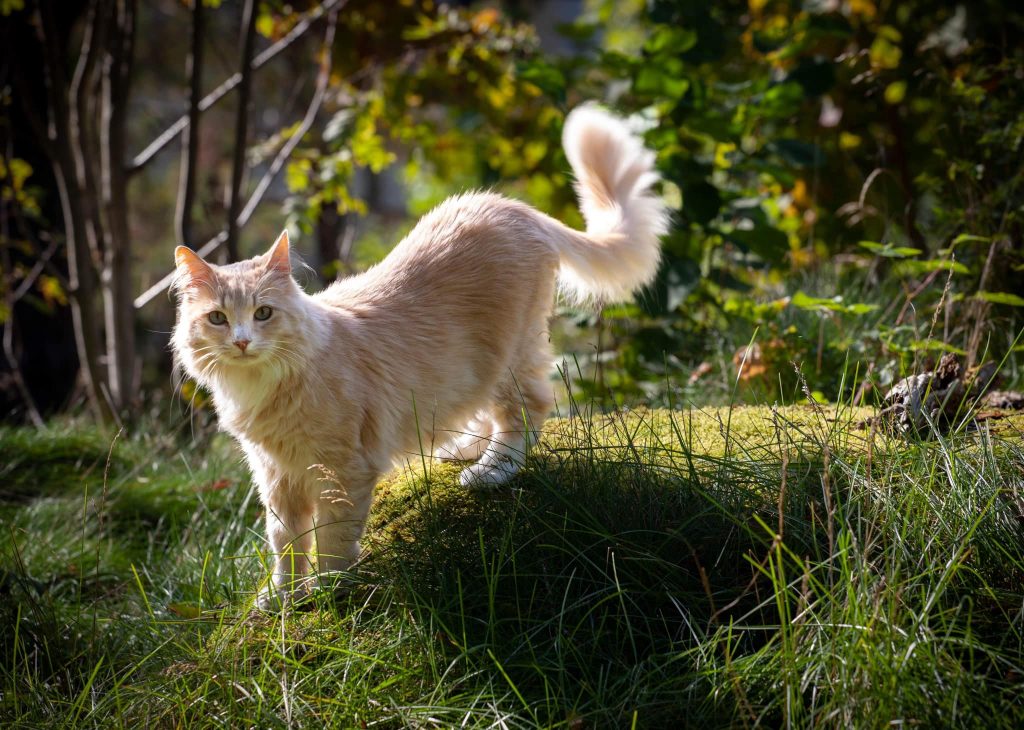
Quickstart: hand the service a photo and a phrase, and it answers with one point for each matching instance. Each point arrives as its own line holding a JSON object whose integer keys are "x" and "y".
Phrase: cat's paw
{"x": 302, "y": 593}
{"x": 488, "y": 475}
{"x": 271, "y": 599}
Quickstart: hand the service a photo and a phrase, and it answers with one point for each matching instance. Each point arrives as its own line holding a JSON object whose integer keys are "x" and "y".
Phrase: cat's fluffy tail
{"x": 620, "y": 250}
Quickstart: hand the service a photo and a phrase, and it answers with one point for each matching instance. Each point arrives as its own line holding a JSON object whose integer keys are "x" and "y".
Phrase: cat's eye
{"x": 263, "y": 313}
{"x": 217, "y": 317}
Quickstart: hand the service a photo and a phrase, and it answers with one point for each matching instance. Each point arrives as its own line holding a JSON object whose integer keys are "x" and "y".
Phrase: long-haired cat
{"x": 447, "y": 335}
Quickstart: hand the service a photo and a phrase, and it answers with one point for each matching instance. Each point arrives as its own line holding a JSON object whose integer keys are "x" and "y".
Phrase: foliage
{"x": 787, "y": 133}
{"x": 455, "y": 93}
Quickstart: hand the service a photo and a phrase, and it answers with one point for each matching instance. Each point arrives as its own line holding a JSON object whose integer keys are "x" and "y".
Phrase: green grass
{"x": 716, "y": 569}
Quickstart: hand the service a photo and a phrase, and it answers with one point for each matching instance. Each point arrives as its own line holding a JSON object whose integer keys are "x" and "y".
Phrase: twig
{"x": 171, "y": 133}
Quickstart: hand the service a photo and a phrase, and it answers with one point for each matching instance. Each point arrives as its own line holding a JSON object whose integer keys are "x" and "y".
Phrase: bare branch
{"x": 11, "y": 297}
{"x": 275, "y": 167}
{"x": 307, "y": 121}
{"x": 179, "y": 125}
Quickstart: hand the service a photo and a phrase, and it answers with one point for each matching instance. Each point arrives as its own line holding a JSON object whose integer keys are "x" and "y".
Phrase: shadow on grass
{"x": 595, "y": 588}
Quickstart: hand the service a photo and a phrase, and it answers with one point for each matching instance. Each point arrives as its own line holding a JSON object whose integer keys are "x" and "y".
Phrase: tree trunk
{"x": 82, "y": 279}
{"x": 116, "y": 279}
{"x": 241, "y": 128}
{"x": 190, "y": 137}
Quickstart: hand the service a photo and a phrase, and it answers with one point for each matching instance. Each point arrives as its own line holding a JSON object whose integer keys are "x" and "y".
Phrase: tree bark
{"x": 190, "y": 137}
{"x": 82, "y": 278}
{"x": 241, "y": 128}
{"x": 116, "y": 279}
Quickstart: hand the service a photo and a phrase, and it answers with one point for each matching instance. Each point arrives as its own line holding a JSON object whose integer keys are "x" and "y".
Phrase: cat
{"x": 448, "y": 334}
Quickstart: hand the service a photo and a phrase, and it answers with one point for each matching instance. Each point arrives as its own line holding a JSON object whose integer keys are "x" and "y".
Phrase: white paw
{"x": 333, "y": 582}
{"x": 488, "y": 475}
{"x": 273, "y": 599}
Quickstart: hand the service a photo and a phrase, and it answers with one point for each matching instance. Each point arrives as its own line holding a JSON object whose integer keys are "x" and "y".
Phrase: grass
{"x": 724, "y": 568}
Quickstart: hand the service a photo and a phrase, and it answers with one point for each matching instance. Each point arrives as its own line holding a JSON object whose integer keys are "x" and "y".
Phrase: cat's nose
{"x": 241, "y": 344}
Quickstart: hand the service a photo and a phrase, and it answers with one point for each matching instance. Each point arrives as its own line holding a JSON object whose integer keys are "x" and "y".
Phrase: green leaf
{"x": 835, "y": 304}
{"x": 913, "y": 268}
{"x": 968, "y": 238}
{"x": 934, "y": 345}
{"x": 9, "y": 6}
{"x": 669, "y": 39}
{"x": 676, "y": 279}
{"x": 185, "y": 610}
{"x": 888, "y": 250}
{"x": 895, "y": 92}
{"x": 1000, "y": 297}
{"x": 296, "y": 175}
{"x": 545, "y": 77}
{"x": 654, "y": 81}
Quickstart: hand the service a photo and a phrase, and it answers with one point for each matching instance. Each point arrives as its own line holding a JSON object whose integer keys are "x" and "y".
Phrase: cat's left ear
{"x": 189, "y": 263}
{"x": 279, "y": 256}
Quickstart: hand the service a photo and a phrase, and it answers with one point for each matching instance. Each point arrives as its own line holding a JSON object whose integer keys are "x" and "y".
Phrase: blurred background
{"x": 844, "y": 177}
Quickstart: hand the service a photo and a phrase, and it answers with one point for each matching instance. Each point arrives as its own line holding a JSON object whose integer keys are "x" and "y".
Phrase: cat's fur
{"x": 447, "y": 335}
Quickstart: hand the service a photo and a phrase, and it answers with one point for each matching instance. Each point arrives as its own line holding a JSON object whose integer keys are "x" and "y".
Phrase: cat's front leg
{"x": 290, "y": 539}
{"x": 340, "y": 521}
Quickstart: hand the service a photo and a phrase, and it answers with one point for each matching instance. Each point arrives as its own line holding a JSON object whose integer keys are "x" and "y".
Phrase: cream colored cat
{"x": 449, "y": 334}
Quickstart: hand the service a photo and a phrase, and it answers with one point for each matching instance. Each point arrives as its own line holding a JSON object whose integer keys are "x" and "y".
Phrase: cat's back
{"x": 466, "y": 240}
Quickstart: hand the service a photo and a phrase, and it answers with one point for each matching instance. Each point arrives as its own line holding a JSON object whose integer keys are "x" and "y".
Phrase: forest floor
{"x": 716, "y": 568}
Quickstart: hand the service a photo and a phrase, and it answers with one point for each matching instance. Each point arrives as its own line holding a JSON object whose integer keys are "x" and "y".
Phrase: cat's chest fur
{"x": 274, "y": 420}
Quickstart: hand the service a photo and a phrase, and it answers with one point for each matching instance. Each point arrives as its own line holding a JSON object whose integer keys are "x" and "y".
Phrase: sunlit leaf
{"x": 969, "y": 238}
{"x": 888, "y": 250}
{"x": 1000, "y": 297}
{"x": 895, "y": 92}
{"x": 669, "y": 39}
{"x": 934, "y": 346}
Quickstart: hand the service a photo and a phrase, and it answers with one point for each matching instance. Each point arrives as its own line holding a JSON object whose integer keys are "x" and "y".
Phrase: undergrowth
{"x": 750, "y": 566}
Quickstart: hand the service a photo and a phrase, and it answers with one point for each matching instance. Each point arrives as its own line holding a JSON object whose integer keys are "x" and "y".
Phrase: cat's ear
{"x": 193, "y": 270}
{"x": 279, "y": 257}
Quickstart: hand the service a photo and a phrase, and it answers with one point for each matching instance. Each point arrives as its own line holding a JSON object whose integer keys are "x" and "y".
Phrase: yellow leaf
{"x": 722, "y": 151}
{"x": 485, "y": 19}
{"x": 864, "y": 8}
{"x": 799, "y": 194}
{"x": 895, "y": 92}
{"x": 52, "y": 291}
{"x": 849, "y": 141}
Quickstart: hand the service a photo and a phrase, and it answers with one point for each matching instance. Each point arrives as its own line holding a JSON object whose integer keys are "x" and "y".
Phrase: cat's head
{"x": 246, "y": 316}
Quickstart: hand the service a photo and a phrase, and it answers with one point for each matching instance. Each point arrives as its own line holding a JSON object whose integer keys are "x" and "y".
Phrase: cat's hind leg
{"x": 522, "y": 401}
{"x": 470, "y": 442}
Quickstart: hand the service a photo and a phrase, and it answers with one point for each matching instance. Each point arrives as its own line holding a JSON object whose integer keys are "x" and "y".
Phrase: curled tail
{"x": 620, "y": 250}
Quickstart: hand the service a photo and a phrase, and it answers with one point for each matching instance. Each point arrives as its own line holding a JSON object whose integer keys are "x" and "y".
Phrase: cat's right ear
{"x": 192, "y": 270}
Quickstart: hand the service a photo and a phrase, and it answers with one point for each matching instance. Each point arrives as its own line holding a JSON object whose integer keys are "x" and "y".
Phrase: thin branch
{"x": 275, "y": 167}
{"x": 11, "y": 298}
{"x": 35, "y": 272}
{"x": 171, "y": 133}
{"x": 307, "y": 122}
